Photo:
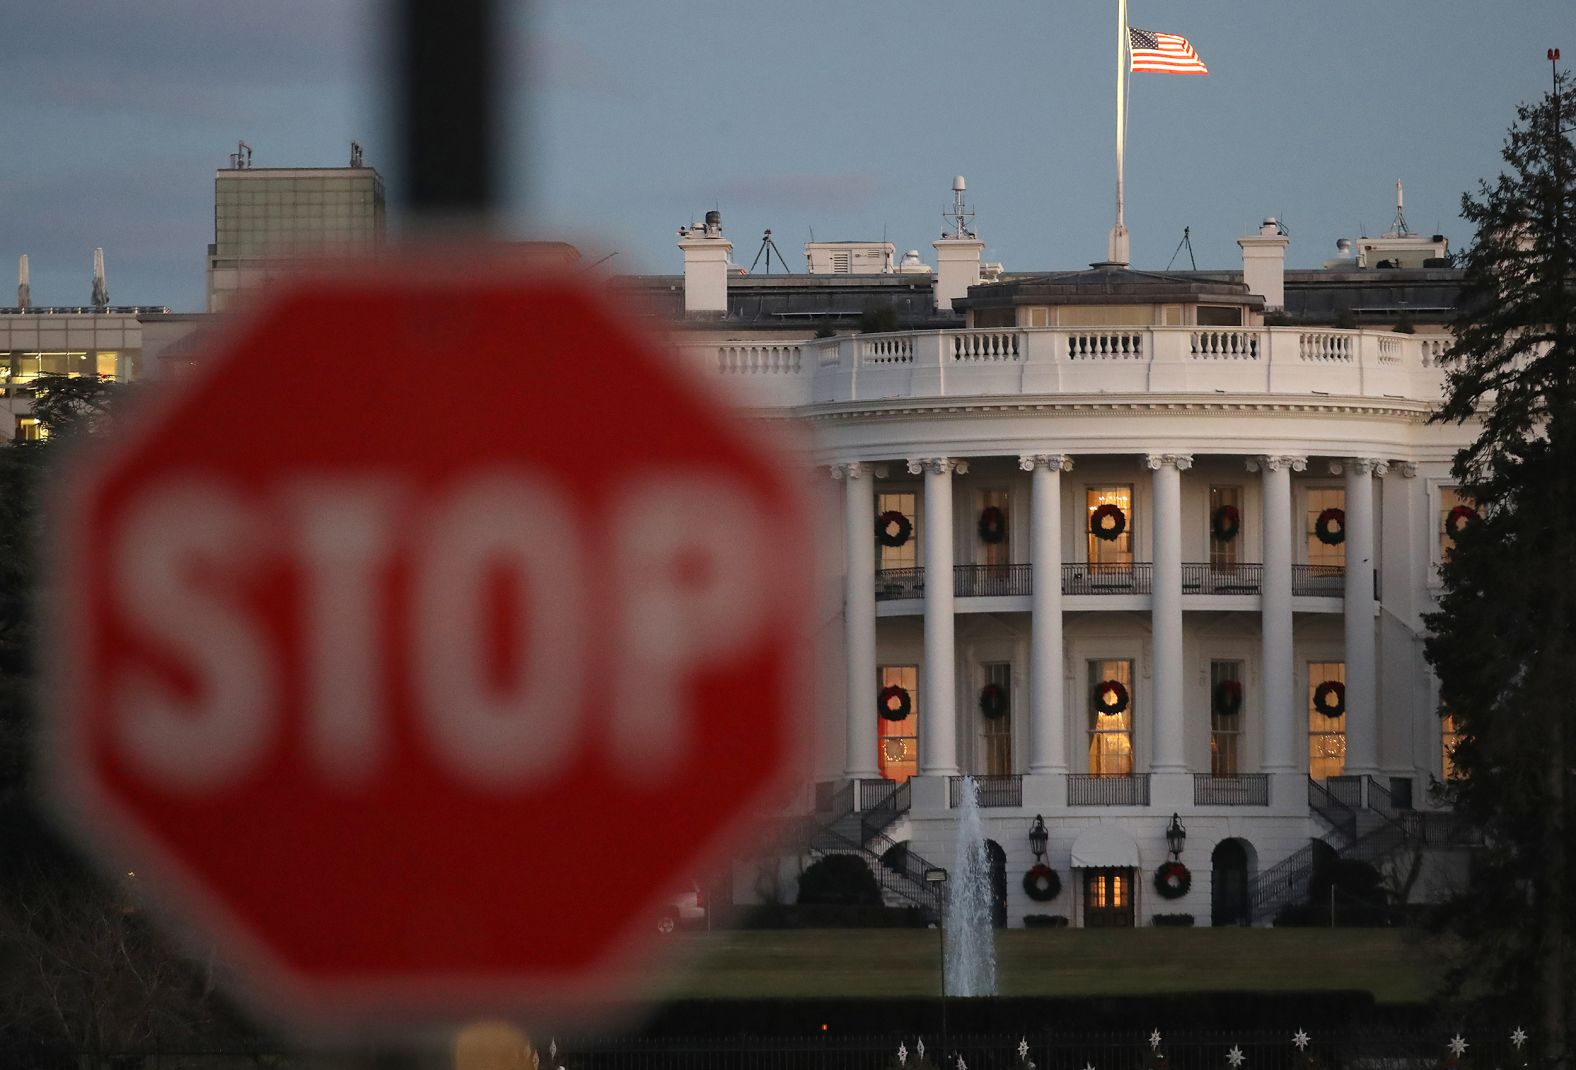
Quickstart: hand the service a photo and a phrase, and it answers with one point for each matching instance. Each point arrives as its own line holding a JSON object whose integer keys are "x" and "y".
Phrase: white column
{"x": 1362, "y": 672}
{"x": 938, "y": 713}
{"x": 1280, "y": 707}
{"x": 1170, "y": 743}
{"x": 859, "y": 616}
{"x": 1047, "y": 718}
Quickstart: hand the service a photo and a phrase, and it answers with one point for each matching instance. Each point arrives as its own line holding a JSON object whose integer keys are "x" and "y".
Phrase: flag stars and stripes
{"x": 1163, "y": 53}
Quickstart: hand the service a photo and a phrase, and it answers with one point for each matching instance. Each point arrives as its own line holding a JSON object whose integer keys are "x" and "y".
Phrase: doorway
{"x": 1228, "y": 896}
{"x": 1108, "y": 898}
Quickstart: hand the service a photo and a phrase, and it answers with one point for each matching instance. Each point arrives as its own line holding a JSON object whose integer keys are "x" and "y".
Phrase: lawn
{"x": 1397, "y": 966}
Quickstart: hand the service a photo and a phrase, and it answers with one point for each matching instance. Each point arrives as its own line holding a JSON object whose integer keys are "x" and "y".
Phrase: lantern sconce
{"x": 1176, "y": 836}
{"x": 1038, "y": 837}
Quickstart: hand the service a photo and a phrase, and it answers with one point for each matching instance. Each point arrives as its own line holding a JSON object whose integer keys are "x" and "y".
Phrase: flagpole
{"x": 1116, "y": 249}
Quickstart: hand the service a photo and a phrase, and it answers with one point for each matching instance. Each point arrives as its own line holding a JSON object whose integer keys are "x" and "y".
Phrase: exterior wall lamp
{"x": 1038, "y": 837}
{"x": 1176, "y": 836}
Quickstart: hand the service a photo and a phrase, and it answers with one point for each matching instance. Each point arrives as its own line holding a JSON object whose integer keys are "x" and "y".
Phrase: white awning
{"x": 1104, "y": 846}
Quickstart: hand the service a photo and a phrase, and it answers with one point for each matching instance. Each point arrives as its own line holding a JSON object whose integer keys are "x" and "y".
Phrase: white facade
{"x": 1171, "y": 423}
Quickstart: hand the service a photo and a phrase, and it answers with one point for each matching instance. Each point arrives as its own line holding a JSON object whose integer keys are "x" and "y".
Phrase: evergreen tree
{"x": 1503, "y": 643}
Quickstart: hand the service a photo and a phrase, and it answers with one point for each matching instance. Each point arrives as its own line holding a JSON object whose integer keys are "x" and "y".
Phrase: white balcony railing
{"x": 1055, "y": 360}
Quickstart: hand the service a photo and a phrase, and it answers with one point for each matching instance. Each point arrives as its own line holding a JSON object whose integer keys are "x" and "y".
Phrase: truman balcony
{"x": 1006, "y": 588}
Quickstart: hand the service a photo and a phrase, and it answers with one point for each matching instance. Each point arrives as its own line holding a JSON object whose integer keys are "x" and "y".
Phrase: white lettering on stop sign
{"x": 683, "y": 560}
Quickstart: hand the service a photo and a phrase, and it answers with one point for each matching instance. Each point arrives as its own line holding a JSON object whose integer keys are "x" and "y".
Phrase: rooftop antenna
{"x": 768, "y": 247}
{"x": 24, "y": 292}
{"x": 355, "y": 154}
{"x": 961, "y": 215}
{"x": 1399, "y": 229}
{"x": 241, "y": 158}
{"x": 1187, "y": 241}
{"x": 100, "y": 287}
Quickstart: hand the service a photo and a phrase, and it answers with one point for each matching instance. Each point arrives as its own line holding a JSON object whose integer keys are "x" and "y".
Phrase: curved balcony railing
{"x": 1089, "y": 789}
{"x": 1097, "y": 578}
{"x": 1243, "y": 789}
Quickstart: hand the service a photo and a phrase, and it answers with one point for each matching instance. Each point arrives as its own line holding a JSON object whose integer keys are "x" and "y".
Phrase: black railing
{"x": 1346, "y": 790}
{"x": 994, "y": 790}
{"x": 1245, "y": 789}
{"x": 1326, "y": 580}
{"x": 877, "y": 794}
{"x": 987, "y": 581}
{"x": 1200, "y": 577}
{"x": 1088, "y": 789}
{"x": 1338, "y": 814}
{"x": 899, "y": 583}
{"x": 1096, "y": 577}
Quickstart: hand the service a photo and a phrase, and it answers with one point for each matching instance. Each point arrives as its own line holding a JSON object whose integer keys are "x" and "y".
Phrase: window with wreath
{"x": 995, "y": 719}
{"x": 906, "y": 554}
{"x": 897, "y": 741}
{"x": 1225, "y": 528}
{"x": 1225, "y": 716}
{"x": 1108, "y": 527}
{"x": 1111, "y": 717}
{"x": 1326, "y": 526}
{"x": 1455, "y": 509}
{"x": 1326, "y": 719}
{"x": 1449, "y": 736}
{"x": 993, "y": 527}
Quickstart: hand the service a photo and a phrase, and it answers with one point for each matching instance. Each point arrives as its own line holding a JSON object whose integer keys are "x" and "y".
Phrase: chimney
{"x": 706, "y": 263}
{"x": 100, "y": 287}
{"x": 958, "y": 253}
{"x": 24, "y": 292}
{"x": 1264, "y": 263}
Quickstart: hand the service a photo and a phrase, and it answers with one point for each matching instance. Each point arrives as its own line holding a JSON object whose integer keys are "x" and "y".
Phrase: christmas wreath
{"x": 1330, "y": 528}
{"x": 1459, "y": 518}
{"x": 1107, "y": 522}
{"x": 993, "y": 701}
{"x": 1329, "y": 698}
{"x": 1225, "y": 523}
{"x": 895, "y": 703}
{"x": 893, "y": 528}
{"x": 1110, "y": 697}
{"x": 1041, "y": 883}
{"x": 1228, "y": 697}
{"x": 1172, "y": 880}
{"x": 992, "y": 524}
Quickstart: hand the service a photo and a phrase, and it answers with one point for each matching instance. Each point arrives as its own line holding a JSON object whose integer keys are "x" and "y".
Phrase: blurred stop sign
{"x": 423, "y": 641}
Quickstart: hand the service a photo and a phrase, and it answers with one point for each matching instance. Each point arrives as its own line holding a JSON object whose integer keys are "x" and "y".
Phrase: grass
{"x": 1397, "y": 966}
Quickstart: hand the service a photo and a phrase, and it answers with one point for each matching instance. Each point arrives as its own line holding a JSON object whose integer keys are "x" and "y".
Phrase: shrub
{"x": 878, "y": 319}
{"x": 839, "y": 880}
{"x": 1045, "y": 921}
{"x": 1179, "y": 921}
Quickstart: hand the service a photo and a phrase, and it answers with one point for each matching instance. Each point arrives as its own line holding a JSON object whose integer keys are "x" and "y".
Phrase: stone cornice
{"x": 1408, "y": 410}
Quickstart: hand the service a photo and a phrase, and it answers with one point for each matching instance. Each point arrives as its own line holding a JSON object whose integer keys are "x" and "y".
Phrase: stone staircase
{"x": 855, "y": 820}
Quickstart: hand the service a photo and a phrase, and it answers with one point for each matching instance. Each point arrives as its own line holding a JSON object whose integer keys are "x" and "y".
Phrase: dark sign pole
{"x": 446, "y": 68}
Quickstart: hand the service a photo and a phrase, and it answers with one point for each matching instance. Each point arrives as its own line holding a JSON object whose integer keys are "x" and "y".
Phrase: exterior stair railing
{"x": 854, "y": 819}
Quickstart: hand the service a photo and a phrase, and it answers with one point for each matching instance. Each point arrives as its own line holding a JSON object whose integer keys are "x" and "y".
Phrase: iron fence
{"x": 1096, "y": 577}
{"x": 1245, "y": 789}
{"x": 1328, "y": 581}
{"x": 994, "y": 790}
{"x": 988, "y": 581}
{"x": 1090, "y": 789}
{"x": 1205, "y": 578}
{"x": 899, "y": 583}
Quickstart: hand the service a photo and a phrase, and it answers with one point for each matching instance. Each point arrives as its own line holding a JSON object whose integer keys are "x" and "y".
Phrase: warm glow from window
{"x": 1319, "y": 499}
{"x": 1117, "y": 551}
{"x": 28, "y": 429}
{"x": 898, "y": 741}
{"x": 1449, "y": 498}
{"x": 1225, "y": 729}
{"x": 1111, "y": 734}
{"x": 996, "y": 732}
{"x": 1326, "y": 735}
{"x": 907, "y": 555}
{"x": 1449, "y": 736}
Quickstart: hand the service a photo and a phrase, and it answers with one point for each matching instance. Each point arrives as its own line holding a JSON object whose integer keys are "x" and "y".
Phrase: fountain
{"x": 970, "y": 966}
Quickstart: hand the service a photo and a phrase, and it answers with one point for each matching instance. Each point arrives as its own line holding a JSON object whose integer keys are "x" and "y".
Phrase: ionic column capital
{"x": 858, "y": 470}
{"x": 1275, "y": 464}
{"x": 1056, "y": 462}
{"x": 1360, "y": 465}
{"x": 1180, "y": 461}
{"x": 1406, "y": 469}
{"x": 937, "y": 466}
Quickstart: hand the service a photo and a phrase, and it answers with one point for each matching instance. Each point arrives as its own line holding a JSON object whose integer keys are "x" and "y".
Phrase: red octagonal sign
{"x": 424, "y": 641}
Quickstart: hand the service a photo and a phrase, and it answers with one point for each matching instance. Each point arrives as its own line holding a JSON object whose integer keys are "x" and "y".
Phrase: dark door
{"x": 1108, "y": 898}
{"x": 998, "y": 883}
{"x": 1229, "y": 885}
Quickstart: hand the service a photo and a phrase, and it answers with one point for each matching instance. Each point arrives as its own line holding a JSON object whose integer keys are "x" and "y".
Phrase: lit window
{"x": 1321, "y": 552}
{"x": 28, "y": 429}
{"x": 898, "y": 741}
{"x": 1449, "y": 736}
{"x": 1115, "y": 552}
{"x": 1326, "y": 732}
{"x": 906, "y": 555}
{"x": 1225, "y": 716}
{"x": 1450, "y": 500}
{"x": 1111, "y": 718}
{"x": 1225, "y": 527}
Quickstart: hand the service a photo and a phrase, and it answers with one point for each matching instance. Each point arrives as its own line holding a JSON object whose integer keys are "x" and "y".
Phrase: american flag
{"x": 1165, "y": 53}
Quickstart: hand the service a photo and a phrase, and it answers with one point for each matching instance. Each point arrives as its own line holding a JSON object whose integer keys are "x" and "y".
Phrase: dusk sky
{"x": 845, "y": 117}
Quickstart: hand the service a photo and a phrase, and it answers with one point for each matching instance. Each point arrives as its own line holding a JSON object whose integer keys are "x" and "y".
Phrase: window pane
{"x": 1449, "y": 736}
{"x": 905, "y": 556}
{"x": 1111, "y": 734}
{"x": 1223, "y": 552}
{"x": 996, "y": 732}
{"x": 1326, "y": 735}
{"x": 1117, "y": 551}
{"x": 996, "y": 553}
{"x": 1320, "y": 552}
{"x": 1449, "y": 498}
{"x": 1224, "y": 728}
{"x": 898, "y": 741}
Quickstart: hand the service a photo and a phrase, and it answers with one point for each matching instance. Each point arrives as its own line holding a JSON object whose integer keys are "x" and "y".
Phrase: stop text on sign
{"x": 498, "y": 708}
